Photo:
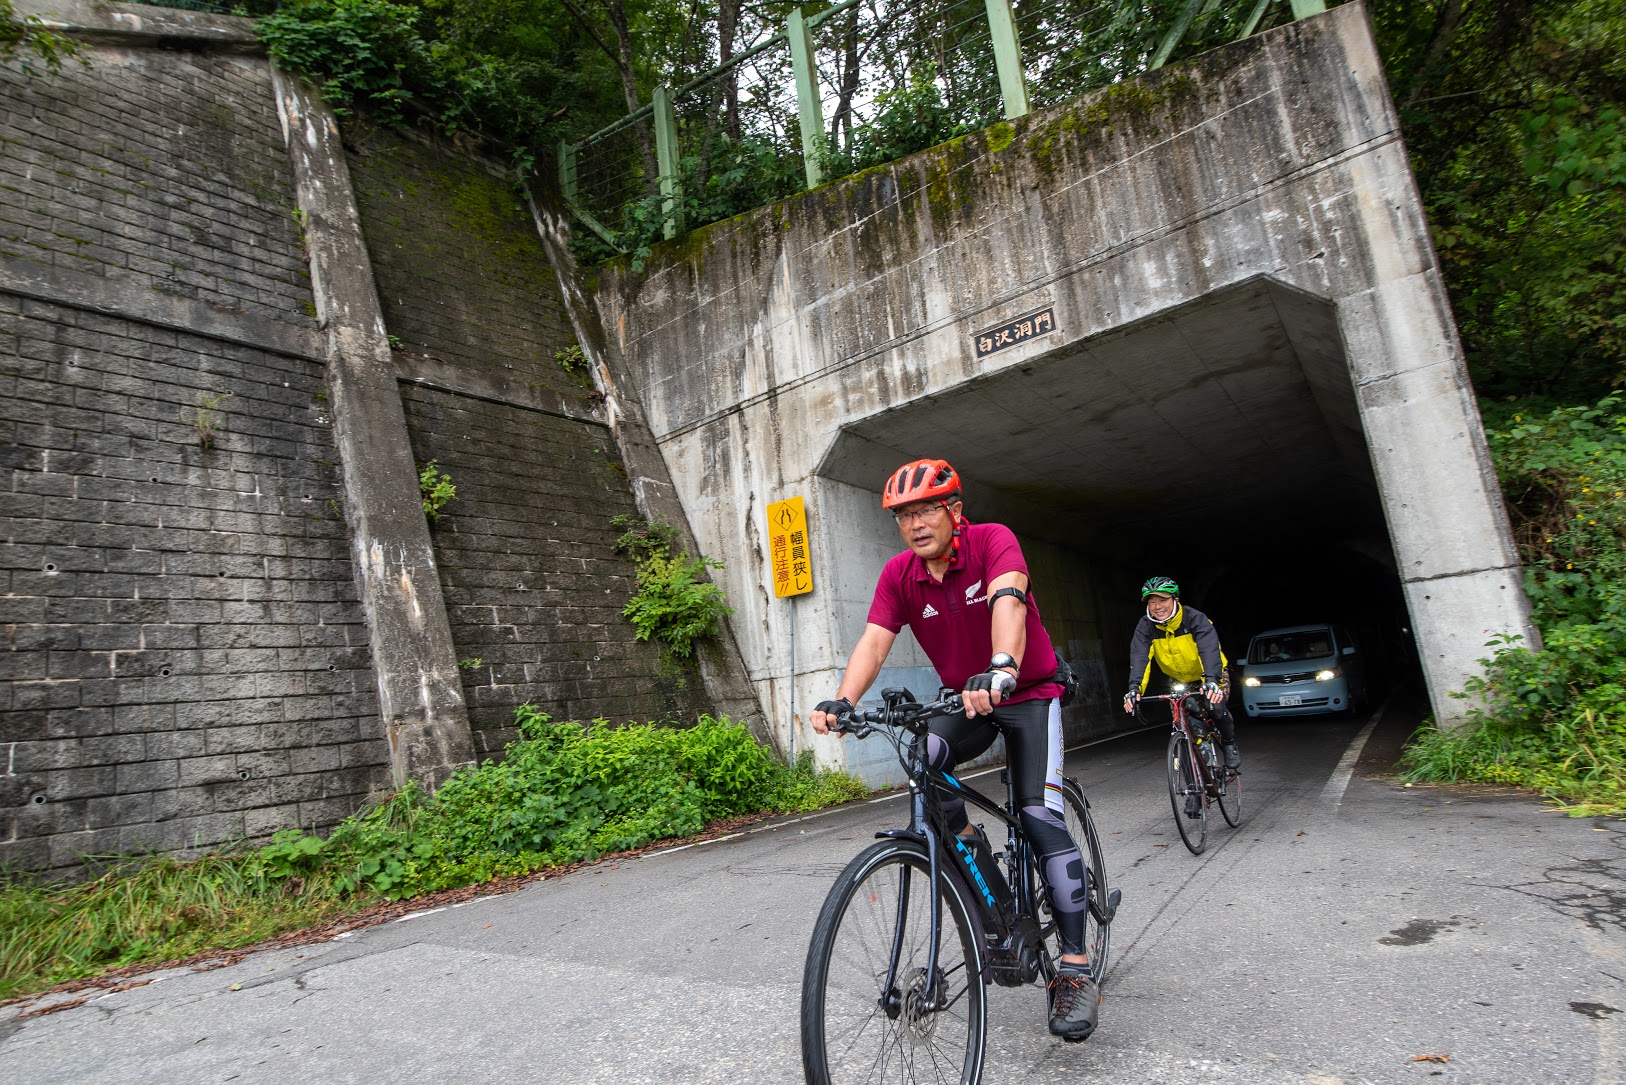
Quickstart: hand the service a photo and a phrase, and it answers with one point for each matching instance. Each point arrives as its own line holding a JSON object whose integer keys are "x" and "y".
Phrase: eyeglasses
{"x": 906, "y": 516}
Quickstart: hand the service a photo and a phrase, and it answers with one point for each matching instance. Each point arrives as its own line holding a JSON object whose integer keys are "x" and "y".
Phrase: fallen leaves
{"x": 55, "y": 1007}
{"x": 1430, "y": 1058}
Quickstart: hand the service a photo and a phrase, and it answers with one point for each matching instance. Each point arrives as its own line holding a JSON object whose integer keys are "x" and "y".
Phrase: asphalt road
{"x": 1349, "y": 926}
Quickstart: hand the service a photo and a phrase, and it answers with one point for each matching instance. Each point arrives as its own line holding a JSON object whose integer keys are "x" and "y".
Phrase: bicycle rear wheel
{"x": 922, "y": 1028}
{"x": 1097, "y": 935}
{"x": 1185, "y": 782}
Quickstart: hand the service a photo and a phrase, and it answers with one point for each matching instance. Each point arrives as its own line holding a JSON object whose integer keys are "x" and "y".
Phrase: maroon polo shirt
{"x": 951, "y": 619}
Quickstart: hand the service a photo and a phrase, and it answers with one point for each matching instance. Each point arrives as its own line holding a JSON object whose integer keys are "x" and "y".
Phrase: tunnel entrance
{"x": 1218, "y": 443}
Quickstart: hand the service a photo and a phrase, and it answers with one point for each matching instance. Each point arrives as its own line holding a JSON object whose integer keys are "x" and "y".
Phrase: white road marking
{"x": 1334, "y": 791}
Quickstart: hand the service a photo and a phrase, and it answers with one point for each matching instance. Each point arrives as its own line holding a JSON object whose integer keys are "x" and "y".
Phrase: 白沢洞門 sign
{"x": 1016, "y": 331}
{"x": 787, "y": 548}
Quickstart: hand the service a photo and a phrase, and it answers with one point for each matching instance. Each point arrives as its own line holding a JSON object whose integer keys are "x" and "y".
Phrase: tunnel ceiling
{"x": 1235, "y": 412}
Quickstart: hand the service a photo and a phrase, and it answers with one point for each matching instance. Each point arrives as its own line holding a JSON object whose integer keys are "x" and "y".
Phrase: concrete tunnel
{"x": 1219, "y": 443}
{"x": 1250, "y": 379}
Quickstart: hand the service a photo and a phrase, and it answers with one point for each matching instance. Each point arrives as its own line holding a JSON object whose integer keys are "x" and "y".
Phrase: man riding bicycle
{"x": 961, "y": 588}
{"x": 1185, "y": 646}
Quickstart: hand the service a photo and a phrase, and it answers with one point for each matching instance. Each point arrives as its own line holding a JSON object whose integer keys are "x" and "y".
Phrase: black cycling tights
{"x": 1032, "y": 731}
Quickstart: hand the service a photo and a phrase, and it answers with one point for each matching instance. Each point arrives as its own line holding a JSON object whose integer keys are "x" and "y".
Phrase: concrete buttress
{"x": 722, "y": 667}
{"x": 420, "y": 696}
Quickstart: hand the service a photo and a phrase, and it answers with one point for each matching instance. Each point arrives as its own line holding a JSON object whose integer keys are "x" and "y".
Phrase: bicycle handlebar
{"x": 899, "y": 711}
{"x": 1172, "y": 698}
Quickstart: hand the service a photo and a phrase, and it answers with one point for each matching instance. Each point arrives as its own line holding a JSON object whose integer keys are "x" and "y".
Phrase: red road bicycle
{"x": 1197, "y": 772}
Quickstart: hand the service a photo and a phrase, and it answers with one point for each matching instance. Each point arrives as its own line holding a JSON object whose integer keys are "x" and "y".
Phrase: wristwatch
{"x": 1002, "y": 661}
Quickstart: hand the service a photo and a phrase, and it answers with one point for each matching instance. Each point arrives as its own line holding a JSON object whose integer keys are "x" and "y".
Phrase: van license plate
{"x": 1291, "y": 700}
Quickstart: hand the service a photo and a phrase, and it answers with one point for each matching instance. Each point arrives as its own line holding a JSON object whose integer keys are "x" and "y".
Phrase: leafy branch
{"x": 26, "y": 41}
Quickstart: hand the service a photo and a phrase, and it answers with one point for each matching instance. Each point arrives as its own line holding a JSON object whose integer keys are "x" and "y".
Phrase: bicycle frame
{"x": 927, "y": 826}
{"x": 1182, "y": 722}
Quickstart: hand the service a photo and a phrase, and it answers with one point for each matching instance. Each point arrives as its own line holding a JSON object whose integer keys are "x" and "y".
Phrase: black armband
{"x": 1015, "y": 593}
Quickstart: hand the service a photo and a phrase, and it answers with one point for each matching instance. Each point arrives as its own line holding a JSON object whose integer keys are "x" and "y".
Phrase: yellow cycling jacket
{"x": 1186, "y": 648}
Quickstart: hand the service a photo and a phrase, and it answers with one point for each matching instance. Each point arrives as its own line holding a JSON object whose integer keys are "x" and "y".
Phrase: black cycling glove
{"x": 839, "y": 707}
{"x": 990, "y": 680}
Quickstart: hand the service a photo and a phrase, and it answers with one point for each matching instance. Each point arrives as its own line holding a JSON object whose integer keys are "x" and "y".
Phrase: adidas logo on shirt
{"x": 929, "y": 612}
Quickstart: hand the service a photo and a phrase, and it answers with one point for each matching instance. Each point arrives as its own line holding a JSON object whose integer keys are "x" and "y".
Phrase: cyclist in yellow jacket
{"x": 1185, "y": 646}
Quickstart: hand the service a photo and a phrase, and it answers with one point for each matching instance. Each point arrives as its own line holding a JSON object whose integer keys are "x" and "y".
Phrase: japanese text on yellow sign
{"x": 787, "y": 548}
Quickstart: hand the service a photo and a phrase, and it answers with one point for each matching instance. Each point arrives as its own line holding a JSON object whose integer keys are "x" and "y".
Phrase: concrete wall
{"x": 775, "y": 352}
{"x": 187, "y": 658}
{"x": 533, "y": 585}
{"x": 191, "y": 622}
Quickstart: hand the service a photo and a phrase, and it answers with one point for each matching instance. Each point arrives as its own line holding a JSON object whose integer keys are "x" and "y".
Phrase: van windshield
{"x": 1291, "y": 647}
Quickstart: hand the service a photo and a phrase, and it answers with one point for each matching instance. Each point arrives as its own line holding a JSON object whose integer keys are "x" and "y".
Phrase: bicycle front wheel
{"x": 922, "y": 1026}
{"x": 1227, "y": 786}
{"x": 1186, "y": 793}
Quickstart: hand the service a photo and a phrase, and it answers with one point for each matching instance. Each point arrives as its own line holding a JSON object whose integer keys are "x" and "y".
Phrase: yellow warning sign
{"x": 787, "y": 548}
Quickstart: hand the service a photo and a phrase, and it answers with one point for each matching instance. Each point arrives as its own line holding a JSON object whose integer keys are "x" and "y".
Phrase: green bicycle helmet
{"x": 1159, "y": 585}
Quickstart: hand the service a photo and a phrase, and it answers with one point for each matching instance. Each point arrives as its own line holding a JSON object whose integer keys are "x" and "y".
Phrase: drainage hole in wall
{"x": 242, "y": 774}
{"x": 163, "y": 672}
{"x": 332, "y": 667}
{"x": 50, "y": 566}
{"x": 39, "y": 800}
{"x": 153, "y": 479}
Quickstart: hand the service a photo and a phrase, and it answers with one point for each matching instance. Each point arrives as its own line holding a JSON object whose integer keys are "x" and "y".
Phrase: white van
{"x": 1303, "y": 670}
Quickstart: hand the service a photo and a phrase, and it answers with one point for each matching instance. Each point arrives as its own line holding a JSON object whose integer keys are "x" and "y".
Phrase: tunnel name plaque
{"x": 1016, "y": 331}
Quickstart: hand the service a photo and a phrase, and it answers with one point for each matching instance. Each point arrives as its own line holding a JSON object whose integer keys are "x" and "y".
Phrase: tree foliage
{"x": 1512, "y": 111}
{"x": 516, "y": 74}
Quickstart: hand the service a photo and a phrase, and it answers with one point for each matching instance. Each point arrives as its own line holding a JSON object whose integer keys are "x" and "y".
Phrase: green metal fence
{"x": 863, "y": 82}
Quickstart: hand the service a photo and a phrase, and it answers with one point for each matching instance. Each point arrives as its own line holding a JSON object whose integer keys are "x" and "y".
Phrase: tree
{"x": 1512, "y": 111}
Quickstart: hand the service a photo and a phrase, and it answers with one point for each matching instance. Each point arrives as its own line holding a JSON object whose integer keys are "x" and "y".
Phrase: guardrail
{"x": 897, "y": 76}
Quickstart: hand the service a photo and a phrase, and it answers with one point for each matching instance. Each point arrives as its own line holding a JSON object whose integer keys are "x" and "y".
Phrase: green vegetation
{"x": 206, "y": 420}
{"x": 437, "y": 489}
{"x": 675, "y": 604}
{"x": 564, "y": 793}
{"x": 572, "y": 360}
{"x": 514, "y": 74}
{"x": 1555, "y": 720}
{"x": 1513, "y": 118}
{"x": 35, "y": 48}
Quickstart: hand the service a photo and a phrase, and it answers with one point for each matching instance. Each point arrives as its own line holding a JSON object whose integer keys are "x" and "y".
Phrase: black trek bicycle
{"x": 895, "y": 988}
{"x": 1197, "y": 772}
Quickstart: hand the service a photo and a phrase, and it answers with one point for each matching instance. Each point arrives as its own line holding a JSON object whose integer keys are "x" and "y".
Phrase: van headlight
{"x": 1250, "y": 681}
{"x": 1326, "y": 676}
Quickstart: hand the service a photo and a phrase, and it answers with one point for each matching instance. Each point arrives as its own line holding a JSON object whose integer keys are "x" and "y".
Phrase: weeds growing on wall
{"x": 565, "y": 792}
{"x": 436, "y": 488}
{"x": 675, "y": 604}
{"x": 1555, "y": 720}
{"x": 207, "y": 419}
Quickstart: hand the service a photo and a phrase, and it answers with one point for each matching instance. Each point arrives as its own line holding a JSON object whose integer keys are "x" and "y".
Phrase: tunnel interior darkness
{"x": 1218, "y": 443}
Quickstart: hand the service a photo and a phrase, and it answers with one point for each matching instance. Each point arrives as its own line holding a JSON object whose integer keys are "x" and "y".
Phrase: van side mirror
{"x": 1349, "y": 650}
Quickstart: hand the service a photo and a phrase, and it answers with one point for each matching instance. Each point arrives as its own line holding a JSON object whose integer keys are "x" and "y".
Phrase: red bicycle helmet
{"x": 921, "y": 480}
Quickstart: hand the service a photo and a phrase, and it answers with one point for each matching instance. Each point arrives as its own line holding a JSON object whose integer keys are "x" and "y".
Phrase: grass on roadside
{"x": 1580, "y": 766}
{"x": 1553, "y": 720}
{"x": 563, "y": 794}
